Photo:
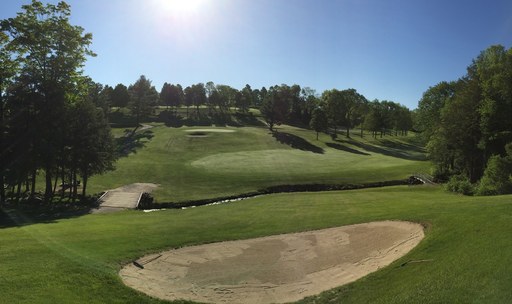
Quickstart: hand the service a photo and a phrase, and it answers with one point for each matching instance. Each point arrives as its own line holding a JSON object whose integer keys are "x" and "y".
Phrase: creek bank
{"x": 271, "y": 190}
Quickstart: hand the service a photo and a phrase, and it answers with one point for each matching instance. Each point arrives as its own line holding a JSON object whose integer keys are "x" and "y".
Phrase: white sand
{"x": 274, "y": 269}
{"x": 212, "y": 130}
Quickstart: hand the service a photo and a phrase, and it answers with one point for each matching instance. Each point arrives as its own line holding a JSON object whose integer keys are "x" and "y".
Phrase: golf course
{"x": 77, "y": 257}
{"x": 255, "y": 152}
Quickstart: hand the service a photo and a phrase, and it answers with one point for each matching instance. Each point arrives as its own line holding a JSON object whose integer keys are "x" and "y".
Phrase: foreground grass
{"x": 76, "y": 260}
{"x": 250, "y": 158}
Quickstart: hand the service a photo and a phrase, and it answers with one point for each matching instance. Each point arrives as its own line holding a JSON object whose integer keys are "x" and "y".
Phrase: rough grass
{"x": 220, "y": 163}
{"x": 76, "y": 260}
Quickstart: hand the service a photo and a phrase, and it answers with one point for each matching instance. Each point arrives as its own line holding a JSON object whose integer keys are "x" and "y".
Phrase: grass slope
{"x": 76, "y": 260}
{"x": 221, "y": 163}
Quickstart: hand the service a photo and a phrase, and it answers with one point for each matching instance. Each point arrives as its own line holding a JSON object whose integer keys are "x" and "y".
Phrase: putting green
{"x": 291, "y": 162}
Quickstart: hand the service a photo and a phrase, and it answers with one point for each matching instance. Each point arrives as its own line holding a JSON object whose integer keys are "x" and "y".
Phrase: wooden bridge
{"x": 423, "y": 178}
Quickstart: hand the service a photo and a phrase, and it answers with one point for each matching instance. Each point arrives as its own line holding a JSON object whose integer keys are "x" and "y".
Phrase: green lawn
{"x": 76, "y": 260}
{"x": 250, "y": 158}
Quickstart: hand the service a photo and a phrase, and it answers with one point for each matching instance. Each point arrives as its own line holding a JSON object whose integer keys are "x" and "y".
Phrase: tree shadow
{"x": 248, "y": 119}
{"x": 296, "y": 142}
{"x": 346, "y": 149}
{"x": 29, "y": 213}
{"x": 132, "y": 141}
{"x": 391, "y": 148}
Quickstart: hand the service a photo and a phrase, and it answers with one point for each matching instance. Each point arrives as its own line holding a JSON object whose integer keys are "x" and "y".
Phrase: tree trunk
{"x": 74, "y": 185}
{"x": 33, "y": 186}
{"x": 55, "y": 184}
{"x": 316, "y": 135}
{"x": 348, "y": 132}
{"x": 362, "y": 133}
{"x": 2, "y": 162}
{"x": 18, "y": 192}
{"x": 2, "y": 189}
{"x": 48, "y": 189}
{"x": 84, "y": 185}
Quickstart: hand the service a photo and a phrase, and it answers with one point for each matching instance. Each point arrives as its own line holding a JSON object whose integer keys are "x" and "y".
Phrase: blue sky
{"x": 386, "y": 49}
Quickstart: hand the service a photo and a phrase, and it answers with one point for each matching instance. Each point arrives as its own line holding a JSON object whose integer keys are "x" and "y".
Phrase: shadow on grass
{"x": 132, "y": 141}
{"x": 390, "y": 148}
{"x": 27, "y": 213}
{"x": 346, "y": 149}
{"x": 296, "y": 142}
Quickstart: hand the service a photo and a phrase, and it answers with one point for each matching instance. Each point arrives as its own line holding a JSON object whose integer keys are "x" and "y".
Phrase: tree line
{"x": 330, "y": 111}
{"x": 48, "y": 122}
{"x": 467, "y": 125}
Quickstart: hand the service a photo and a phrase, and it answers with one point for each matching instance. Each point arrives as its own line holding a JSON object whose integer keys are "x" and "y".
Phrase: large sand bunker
{"x": 274, "y": 269}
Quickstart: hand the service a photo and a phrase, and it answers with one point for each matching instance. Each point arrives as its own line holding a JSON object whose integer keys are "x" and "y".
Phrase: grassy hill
{"x": 203, "y": 162}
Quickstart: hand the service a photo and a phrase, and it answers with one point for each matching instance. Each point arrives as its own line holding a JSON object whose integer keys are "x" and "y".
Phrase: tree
{"x": 7, "y": 72}
{"x": 373, "y": 119}
{"x": 165, "y": 95}
{"x": 92, "y": 148}
{"x": 352, "y": 104}
{"x": 318, "y": 121}
{"x": 120, "y": 96}
{"x": 188, "y": 97}
{"x": 247, "y": 98}
{"x": 497, "y": 178}
{"x": 51, "y": 53}
{"x": 430, "y": 105}
{"x": 334, "y": 107}
{"x": 143, "y": 98}
{"x": 493, "y": 69}
{"x": 210, "y": 88}
{"x": 276, "y": 106}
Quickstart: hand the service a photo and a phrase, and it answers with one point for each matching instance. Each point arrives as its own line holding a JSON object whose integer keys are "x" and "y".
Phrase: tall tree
{"x": 165, "y": 96}
{"x": 52, "y": 53}
{"x": 7, "y": 72}
{"x": 120, "y": 96}
{"x": 318, "y": 121}
{"x": 352, "y": 103}
{"x": 92, "y": 148}
{"x": 247, "y": 98}
{"x": 276, "y": 106}
{"x": 334, "y": 107}
{"x": 430, "y": 105}
{"x": 143, "y": 98}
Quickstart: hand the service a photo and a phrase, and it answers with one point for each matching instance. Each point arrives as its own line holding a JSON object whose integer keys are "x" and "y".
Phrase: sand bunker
{"x": 274, "y": 269}
{"x": 212, "y": 130}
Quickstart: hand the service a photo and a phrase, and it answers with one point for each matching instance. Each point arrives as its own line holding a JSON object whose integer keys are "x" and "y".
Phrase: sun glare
{"x": 181, "y": 6}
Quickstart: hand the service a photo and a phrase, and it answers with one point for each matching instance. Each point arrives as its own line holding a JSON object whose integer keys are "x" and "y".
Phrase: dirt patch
{"x": 274, "y": 269}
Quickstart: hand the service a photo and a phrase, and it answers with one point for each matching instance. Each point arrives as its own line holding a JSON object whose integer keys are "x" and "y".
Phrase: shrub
{"x": 497, "y": 177}
{"x": 460, "y": 184}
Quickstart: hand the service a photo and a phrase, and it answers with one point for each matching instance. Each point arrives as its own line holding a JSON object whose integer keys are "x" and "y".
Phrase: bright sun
{"x": 181, "y": 6}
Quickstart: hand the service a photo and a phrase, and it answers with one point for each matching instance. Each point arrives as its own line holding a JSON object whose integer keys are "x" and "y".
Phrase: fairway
{"x": 192, "y": 163}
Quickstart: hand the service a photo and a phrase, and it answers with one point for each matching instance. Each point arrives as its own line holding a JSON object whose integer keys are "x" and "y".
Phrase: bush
{"x": 460, "y": 184}
{"x": 497, "y": 177}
